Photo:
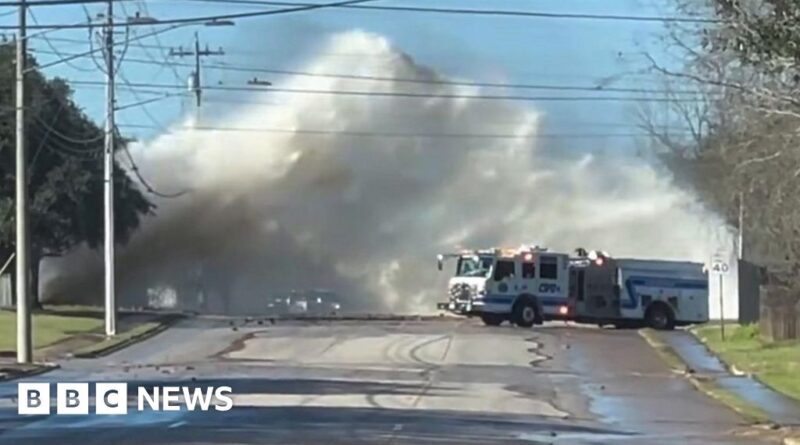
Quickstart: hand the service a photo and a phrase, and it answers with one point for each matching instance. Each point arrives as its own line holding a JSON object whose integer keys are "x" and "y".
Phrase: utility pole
{"x": 24, "y": 337}
{"x": 740, "y": 240}
{"x": 196, "y": 80}
{"x": 108, "y": 178}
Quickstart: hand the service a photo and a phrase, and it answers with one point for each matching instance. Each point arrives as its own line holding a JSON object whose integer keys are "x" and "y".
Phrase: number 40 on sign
{"x": 719, "y": 266}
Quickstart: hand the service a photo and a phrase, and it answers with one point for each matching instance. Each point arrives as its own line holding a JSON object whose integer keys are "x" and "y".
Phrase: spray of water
{"x": 363, "y": 204}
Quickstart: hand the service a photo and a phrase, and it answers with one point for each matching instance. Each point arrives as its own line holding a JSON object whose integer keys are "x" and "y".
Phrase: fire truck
{"x": 525, "y": 286}
{"x": 627, "y": 292}
{"x": 530, "y": 285}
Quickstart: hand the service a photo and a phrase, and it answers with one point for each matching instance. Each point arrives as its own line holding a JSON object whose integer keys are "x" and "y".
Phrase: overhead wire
{"x": 53, "y": 47}
{"x": 383, "y": 94}
{"x": 95, "y": 50}
{"x": 71, "y": 139}
{"x": 491, "y": 12}
{"x": 357, "y": 4}
{"x": 150, "y": 189}
{"x": 401, "y": 135}
{"x": 199, "y": 19}
{"x": 400, "y": 94}
{"x": 161, "y": 47}
{"x": 480, "y": 84}
{"x": 17, "y": 3}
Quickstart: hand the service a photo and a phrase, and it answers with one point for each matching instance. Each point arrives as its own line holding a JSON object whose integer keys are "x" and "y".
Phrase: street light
{"x": 217, "y": 22}
{"x": 139, "y": 19}
{"x": 257, "y": 81}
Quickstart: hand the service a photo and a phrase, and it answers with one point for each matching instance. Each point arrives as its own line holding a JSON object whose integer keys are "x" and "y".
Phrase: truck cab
{"x": 526, "y": 285}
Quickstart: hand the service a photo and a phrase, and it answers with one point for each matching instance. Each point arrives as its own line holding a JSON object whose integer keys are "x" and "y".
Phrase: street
{"x": 440, "y": 381}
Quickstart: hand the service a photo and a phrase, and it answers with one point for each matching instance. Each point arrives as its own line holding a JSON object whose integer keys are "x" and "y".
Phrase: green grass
{"x": 47, "y": 328}
{"x": 776, "y": 364}
{"x": 121, "y": 337}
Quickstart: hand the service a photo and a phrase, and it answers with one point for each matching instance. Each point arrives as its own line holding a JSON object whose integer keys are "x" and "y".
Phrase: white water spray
{"x": 367, "y": 190}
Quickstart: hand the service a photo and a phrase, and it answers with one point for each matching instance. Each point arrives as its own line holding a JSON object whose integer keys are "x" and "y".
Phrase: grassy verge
{"x": 707, "y": 386}
{"x": 775, "y": 364}
{"x": 48, "y": 328}
{"x": 122, "y": 338}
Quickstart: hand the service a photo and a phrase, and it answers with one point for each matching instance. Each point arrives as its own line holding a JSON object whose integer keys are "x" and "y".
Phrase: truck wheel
{"x": 659, "y": 316}
{"x": 524, "y": 314}
{"x": 492, "y": 319}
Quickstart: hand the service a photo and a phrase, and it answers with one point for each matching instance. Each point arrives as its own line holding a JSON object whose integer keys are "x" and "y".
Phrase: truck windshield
{"x": 474, "y": 266}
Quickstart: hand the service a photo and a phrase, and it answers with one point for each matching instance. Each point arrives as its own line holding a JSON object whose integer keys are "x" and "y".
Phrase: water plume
{"x": 359, "y": 193}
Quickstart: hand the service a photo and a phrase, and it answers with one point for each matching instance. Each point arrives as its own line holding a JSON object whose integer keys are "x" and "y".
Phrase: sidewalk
{"x": 779, "y": 408}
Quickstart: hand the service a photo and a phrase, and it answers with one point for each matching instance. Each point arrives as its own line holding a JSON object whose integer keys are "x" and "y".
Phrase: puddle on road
{"x": 611, "y": 409}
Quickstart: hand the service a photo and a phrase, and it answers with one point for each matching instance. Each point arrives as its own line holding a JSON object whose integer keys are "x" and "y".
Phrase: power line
{"x": 285, "y": 72}
{"x": 408, "y": 95}
{"x": 160, "y": 46}
{"x": 95, "y": 50}
{"x": 39, "y": 34}
{"x": 51, "y": 129}
{"x": 53, "y": 47}
{"x": 144, "y": 102}
{"x": 150, "y": 189}
{"x": 30, "y": 4}
{"x": 491, "y": 12}
{"x": 288, "y": 49}
{"x": 199, "y": 19}
{"x": 401, "y": 135}
{"x": 490, "y": 123}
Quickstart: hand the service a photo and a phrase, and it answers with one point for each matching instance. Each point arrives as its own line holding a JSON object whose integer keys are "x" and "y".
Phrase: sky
{"x": 593, "y": 53}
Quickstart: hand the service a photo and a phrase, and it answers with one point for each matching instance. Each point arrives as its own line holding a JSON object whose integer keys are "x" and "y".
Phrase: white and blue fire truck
{"x": 526, "y": 285}
{"x": 529, "y": 285}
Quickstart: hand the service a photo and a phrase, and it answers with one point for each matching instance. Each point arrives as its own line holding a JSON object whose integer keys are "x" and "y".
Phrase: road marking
{"x": 178, "y": 424}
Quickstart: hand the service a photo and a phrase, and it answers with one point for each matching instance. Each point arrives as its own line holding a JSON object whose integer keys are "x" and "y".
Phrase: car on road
{"x": 315, "y": 302}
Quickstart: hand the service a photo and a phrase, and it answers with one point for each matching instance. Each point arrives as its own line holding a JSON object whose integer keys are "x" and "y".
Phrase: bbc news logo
{"x": 112, "y": 398}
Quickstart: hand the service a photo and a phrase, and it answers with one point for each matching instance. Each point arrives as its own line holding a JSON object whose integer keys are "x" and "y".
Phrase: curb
{"x": 165, "y": 324}
{"x": 672, "y": 358}
{"x": 38, "y": 370}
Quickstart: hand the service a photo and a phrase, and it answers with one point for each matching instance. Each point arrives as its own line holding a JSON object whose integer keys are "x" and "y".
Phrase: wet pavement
{"x": 778, "y": 408}
{"x": 421, "y": 382}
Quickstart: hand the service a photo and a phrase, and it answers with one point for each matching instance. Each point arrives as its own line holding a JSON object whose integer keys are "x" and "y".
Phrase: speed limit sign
{"x": 719, "y": 266}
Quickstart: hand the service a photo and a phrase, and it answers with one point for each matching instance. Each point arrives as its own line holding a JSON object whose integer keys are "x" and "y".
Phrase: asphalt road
{"x": 420, "y": 382}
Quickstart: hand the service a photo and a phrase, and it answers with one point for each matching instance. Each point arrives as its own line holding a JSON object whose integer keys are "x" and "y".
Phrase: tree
{"x": 65, "y": 171}
{"x": 744, "y": 63}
